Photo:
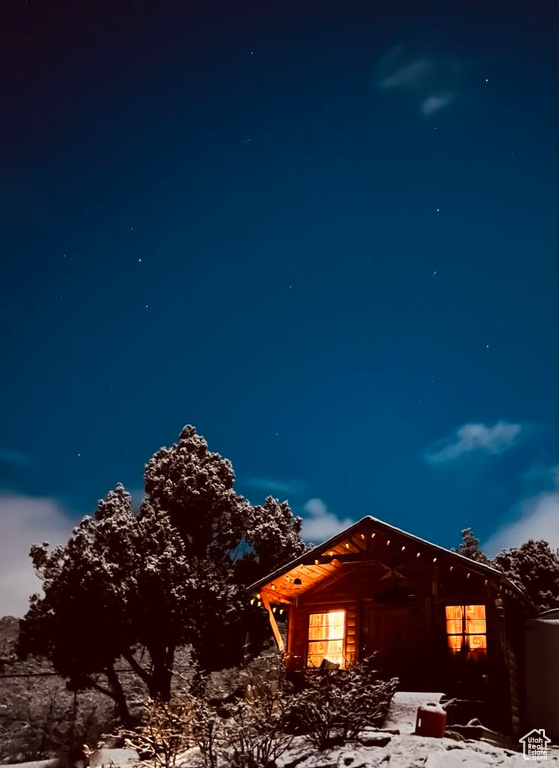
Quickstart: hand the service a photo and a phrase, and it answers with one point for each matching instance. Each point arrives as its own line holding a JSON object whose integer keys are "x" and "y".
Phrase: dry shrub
{"x": 165, "y": 732}
{"x": 251, "y": 723}
{"x": 238, "y": 722}
{"x": 247, "y": 731}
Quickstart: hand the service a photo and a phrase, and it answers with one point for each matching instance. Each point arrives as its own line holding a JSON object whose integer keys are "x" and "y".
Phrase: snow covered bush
{"x": 245, "y": 728}
{"x": 165, "y": 732}
{"x": 334, "y": 705}
{"x": 254, "y": 736}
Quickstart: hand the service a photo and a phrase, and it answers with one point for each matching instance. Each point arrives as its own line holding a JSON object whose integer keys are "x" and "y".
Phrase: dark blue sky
{"x": 324, "y": 233}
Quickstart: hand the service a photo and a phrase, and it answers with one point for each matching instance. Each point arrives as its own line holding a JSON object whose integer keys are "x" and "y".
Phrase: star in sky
{"x": 357, "y": 350}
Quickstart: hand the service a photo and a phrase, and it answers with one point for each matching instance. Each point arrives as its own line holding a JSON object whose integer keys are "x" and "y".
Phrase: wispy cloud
{"x": 138, "y": 495}
{"x": 434, "y": 82}
{"x": 534, "y": 517}
{"x": 14, "y": 457}
{"x": 398, "y": 74}
{"x": 436, "y": 103}
{"x": 319, "y": 524}
{"x": 269, "y": 485}
{"x": 25, "y": 520}
{"x": 478, "y": 438}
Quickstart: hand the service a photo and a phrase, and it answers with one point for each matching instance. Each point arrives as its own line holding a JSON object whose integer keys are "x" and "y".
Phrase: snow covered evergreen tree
{"x": 195, "y": 488}
{"x": 274, "y": 535}
{"x": 172, "y": 575}
{"x": 470, "y": 548}
{"x": 122, "y": 582}
{"x": 232, "y": 542}
{"x": 535, "y": 568}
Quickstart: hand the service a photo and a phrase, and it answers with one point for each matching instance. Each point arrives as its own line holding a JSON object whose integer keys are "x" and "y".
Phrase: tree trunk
{"x": 162, "y": 673}
{"x": 119, "y": 697}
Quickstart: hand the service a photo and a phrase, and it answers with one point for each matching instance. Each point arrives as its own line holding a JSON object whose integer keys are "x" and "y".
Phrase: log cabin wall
{"x": 395, "y": 590}
{"x": 515, "y": 618}
{"x": 356, "y": 589}
{"x": 485, "y": 680}
{"x": 412, "y": 640}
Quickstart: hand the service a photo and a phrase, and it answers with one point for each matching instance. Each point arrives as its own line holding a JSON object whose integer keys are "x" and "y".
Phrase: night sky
{"x": 324, "y": 233}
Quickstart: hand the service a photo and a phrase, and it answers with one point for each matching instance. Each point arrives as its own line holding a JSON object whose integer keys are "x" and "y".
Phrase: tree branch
{"x": 101, "y": 689}
{"x": 146, "y": 677}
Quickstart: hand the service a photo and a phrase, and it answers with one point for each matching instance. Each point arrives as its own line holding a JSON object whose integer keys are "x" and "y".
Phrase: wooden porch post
{"x": 273, "y": 624}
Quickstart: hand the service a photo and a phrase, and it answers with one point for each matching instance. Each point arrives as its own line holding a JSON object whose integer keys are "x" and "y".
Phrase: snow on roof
{"x": 329, "y": 543}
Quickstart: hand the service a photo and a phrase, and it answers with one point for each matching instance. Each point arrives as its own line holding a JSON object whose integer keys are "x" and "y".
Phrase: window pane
{"x": 476, "y": 648}
{"x": 475, "y": 626}
{"x": 476, "y": 641}
{"x": 475, "y": 611}
{"x": 454, "y": 612}
{"x": 326, "y": 638}
{"x": 454, "y": 626}
{"x": 331, "y": 650}
{"x": 327, "y": 626}
{"x": 475, "y": 619}
{"x": 455, "y": 643}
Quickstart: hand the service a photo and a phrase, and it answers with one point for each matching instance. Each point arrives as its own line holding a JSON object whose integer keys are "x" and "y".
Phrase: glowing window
{"x": 466, "y": 631}
{"x": 326, "y": 638}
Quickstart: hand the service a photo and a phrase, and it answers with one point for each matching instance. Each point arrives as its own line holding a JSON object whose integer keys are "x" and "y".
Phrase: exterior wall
{"x": 516, "y": 655}
{"x": 355, "y": 593}
{"x": 410, "y": 635}
{"x": 542, "y": 674}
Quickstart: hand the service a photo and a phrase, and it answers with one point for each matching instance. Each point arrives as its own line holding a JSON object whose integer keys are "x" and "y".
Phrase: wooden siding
{"x": 394, "y": 590}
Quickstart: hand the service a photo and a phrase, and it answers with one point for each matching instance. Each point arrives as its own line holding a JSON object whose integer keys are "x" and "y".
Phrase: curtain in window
{"x": 466, "y": 630}
{"x": 326, "y": 638}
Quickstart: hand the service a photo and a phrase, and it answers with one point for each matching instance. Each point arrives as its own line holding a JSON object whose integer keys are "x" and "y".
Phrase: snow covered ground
{"x": 379, "y": 748}
{"x": 394, "y": 746}
{"x": 374, "y": 748}
{"x": 405, "y": 751}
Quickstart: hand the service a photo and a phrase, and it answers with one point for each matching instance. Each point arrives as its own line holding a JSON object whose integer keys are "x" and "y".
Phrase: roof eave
{"x": 310, "y": 555}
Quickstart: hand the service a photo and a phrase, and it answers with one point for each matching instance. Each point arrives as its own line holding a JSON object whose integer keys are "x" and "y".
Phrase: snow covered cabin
{"x": 436, "y": 619}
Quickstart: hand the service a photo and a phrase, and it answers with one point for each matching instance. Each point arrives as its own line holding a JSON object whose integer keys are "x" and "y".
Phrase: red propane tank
{"x": 431, "y": 720}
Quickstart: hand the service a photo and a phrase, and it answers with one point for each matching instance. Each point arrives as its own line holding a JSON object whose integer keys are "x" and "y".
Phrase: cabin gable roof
{"x": 353, "y": 545}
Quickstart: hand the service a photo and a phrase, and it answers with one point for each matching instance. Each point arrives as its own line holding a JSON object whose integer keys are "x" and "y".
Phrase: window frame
{"x": 343, "y": 639}
{"x": 466, "y": 652}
